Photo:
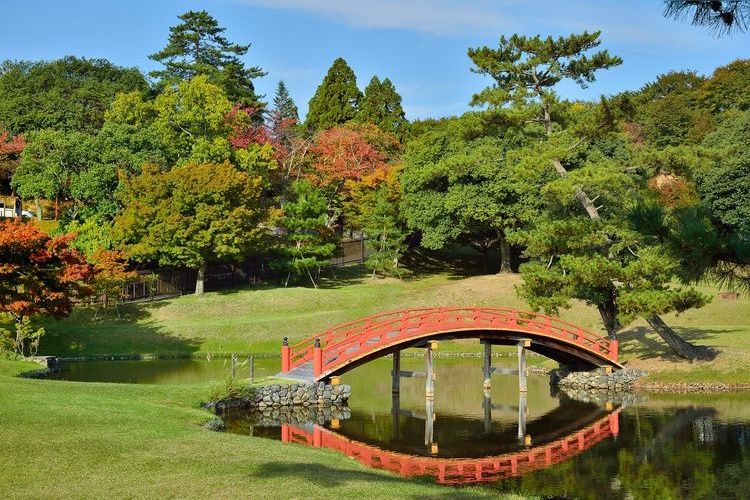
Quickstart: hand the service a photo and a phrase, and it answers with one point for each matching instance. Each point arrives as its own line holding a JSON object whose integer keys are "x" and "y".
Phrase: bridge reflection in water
{"x": 451, "y": 470}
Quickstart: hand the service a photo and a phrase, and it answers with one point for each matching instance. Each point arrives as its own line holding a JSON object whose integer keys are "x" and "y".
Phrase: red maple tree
{"x": 39, "y": 274}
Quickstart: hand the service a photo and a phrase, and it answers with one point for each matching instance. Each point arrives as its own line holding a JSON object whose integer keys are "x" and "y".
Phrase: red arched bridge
{"x": 341, "y": 348}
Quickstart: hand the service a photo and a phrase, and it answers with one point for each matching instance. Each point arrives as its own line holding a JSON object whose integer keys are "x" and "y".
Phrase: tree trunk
{"x": 680, "y": 346}
{"x": 200, "y": 281}
{"x": 38, "y": 208}
{"x": 608, "y": 312}
{"x": 504, "y": 254}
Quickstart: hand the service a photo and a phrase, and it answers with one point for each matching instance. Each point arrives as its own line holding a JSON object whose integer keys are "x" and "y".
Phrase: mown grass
{"x": 86, "y": 440}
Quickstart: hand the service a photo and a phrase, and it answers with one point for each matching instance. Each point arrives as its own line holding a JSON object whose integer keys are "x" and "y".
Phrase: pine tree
{"x": 381, "y": 105}
{"x": 336, "y": 100}
{"x": 197, "y": 47}
{"x": 284, "y": 105}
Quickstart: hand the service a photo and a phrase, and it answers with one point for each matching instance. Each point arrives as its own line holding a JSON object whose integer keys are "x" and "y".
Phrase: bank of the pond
{"x": 80, "y": 440}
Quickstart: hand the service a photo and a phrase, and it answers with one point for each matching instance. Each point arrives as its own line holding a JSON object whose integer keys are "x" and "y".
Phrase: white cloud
{"x": 438, "y": 17}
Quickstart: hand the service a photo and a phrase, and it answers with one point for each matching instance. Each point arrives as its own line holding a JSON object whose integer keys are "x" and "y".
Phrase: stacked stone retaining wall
{"x": 277, "y": 396}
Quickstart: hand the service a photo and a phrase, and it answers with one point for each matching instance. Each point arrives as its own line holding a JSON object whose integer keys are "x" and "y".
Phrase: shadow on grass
{"x": 83, "y": 334}
{"x": 643, "y": 343}
{"x": 331, "y": 477}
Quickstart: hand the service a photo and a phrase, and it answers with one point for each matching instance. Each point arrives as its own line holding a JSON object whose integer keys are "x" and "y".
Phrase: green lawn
{"x": 84, "y": 440}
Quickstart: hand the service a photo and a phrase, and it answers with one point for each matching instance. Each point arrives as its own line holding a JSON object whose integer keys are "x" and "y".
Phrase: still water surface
{"x": 164, "y": 371}
{"x": 546, "y": 443}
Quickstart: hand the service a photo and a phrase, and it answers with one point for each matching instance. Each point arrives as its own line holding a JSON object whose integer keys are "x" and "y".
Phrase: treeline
{"x": 621, "y": 202}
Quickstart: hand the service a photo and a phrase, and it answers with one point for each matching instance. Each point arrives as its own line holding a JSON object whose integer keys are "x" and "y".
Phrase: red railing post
{"x": 286, "y": 355}
{"x": 317, "y": 359}
{"x": 286, "y": 433}
{"x": 614, "y": 347}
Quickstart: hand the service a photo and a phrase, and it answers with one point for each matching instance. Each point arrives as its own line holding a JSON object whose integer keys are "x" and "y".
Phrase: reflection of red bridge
{"x": 346, "y": 346}
{"x": 460, "y": 470}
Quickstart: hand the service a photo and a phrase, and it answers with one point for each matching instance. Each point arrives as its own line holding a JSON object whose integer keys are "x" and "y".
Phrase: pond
{"x": 546, "y": 443}
{"x": 165, "y": 371}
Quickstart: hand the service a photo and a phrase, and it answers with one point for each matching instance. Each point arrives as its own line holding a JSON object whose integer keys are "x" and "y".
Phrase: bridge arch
{"x": 344, "y": 347}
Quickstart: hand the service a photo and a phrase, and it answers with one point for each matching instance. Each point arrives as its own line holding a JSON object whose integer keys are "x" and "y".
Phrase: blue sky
{"x": 419, "y": 44}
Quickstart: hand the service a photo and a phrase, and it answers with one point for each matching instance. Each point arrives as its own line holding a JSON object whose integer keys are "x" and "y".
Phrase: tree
{"x": 197, "y": 47}
{"x": 718, "y": 16}
{"x": 387, "y": 236}
{"x": 68, "y": 94}
{"x": 190, "y": 122}
{"x": 336, "y": 99}
{"x": 381, "y": 105}
{"x": 48, "y": 163}
{"x": 10, "y": 153}
{"x": 726, "y": 89}
{"x": 284, "y": 105}
{"x": 111, "y": 276}
{"x": 307, "y": 243}
{"x": 526, "y": 71}
{"x": 459, "y": 190}
{"x": 38, "y": 275}
{"x": 190, "y": 216}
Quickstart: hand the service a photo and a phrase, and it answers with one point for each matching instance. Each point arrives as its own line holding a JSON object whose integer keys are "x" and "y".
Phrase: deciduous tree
{"x": 38, "y": 275}
{"x": 190, "y": 216}
{"x": 70, "y": 94}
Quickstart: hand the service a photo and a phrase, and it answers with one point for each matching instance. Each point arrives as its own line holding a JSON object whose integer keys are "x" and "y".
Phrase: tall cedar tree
{"x": 381, "y": 105}
{"x": 197, "y": 47}
{"x": 336, "y": 100}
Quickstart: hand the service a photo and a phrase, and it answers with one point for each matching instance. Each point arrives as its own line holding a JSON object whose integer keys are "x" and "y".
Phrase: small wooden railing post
{"x": 317, "y": 359}
{"x": 286, "y": 355}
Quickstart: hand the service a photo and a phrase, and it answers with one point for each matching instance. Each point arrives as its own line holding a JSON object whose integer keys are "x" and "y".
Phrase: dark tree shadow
{"x": 84, "y": 335}
{"x": 635, "y": 342}
{"x": 331, "y": 477}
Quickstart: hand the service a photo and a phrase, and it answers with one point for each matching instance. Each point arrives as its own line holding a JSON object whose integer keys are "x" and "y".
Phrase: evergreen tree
{"x": 197, "y": 47}
{"x": 387, "y": 236}
{"x": 381, "y": 105}
{"x": 307, "y": 244}
{"x": 336, "y": 100}
{"x": 284, "y": 105}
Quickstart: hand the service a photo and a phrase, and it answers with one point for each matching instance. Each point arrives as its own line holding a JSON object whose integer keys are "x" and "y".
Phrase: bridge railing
{"x": 350, "y": 340}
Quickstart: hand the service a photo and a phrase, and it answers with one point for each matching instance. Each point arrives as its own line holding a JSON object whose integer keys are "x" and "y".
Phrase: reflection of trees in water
{"x": 675, "y": 453}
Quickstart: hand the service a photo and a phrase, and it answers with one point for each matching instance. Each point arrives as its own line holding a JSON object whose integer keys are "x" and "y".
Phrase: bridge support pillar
{"x": 521, "y": 368}
{"x": 486, "y": 366}
{"x": 429, "y": 370}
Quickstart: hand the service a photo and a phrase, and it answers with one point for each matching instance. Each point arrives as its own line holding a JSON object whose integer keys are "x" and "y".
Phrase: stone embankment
{"x": 278, "y": 396}
{"x": 617, "y": 381}
{"x": 598, "y": 386}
